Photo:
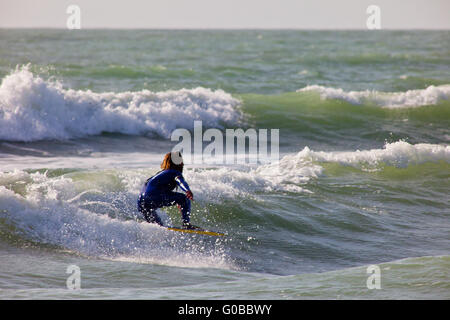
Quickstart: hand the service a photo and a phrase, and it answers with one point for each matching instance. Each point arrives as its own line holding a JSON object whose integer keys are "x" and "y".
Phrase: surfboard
{"x": 197, "y": 230}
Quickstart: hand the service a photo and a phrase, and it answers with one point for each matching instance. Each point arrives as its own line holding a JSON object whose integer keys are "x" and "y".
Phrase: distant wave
{"x": 32, "y": 108}
{"x": 299, "y": 168}
{"x": 399, "y": 154}
{"x": 432, "y": 95}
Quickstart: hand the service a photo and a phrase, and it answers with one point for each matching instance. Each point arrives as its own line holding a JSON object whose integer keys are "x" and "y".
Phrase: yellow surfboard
{"x": 197, "y": 231}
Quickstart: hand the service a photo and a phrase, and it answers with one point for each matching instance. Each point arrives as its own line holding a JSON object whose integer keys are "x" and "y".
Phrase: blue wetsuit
{"x": 157, "y": 192}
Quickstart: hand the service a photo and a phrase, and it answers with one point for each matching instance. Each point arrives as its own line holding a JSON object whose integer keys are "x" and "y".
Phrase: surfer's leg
{"x": 151, "y": 216}
{"x": 185, "y": 210}
{"x": 148, "y": 210}
{"x": 172, "y": 198}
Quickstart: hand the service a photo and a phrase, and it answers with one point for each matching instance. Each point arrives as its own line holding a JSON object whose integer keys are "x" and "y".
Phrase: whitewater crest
{"x": 432, "y": 95}
{"x": 32, "y": 109}
{"x": 399, "y": 154}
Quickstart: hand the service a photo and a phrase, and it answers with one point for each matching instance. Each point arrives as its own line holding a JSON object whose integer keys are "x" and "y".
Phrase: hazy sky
{"x": 302, "y": 14}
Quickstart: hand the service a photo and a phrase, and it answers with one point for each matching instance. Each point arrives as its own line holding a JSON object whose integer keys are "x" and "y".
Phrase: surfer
{"x": 158, "y": 191}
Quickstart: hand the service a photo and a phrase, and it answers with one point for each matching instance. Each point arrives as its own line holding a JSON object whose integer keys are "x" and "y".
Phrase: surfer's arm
{"x": 182, "y": 183}
{"x": 184, "y": 186}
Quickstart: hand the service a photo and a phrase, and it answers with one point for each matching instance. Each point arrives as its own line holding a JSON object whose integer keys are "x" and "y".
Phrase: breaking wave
{"x": 432, "y": 95}
{"x": 32, "y": 108}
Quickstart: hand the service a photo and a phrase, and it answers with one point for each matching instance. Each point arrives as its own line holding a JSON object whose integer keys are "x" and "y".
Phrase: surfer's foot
{"x": 188, "y": 226}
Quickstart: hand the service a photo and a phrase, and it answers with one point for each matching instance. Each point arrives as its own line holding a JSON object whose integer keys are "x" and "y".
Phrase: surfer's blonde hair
{"x": 172, "y": 160}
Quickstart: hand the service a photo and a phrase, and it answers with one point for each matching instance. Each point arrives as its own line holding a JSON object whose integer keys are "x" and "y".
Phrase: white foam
{"x": 432, "y": 95}
{"x": 399, "y": 154}
{"x": 32, "y": 108}
{"x": 214, "y": 185}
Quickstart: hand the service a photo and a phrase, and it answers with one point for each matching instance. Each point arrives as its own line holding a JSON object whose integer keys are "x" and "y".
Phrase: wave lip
{"x": 432, "y": 95}
{"x": 32, "y": 108}
{"x": 399, "y": 154}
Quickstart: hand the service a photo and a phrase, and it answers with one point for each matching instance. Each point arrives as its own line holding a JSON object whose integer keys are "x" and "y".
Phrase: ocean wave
{"x": 32, "y": 108}
{"x": 293, "y": 171}
{"x": 59, "y": 211}
{"x": 432, "y": 95}
{"x": 93, "y": 212}
{"x": 399, "y": 154}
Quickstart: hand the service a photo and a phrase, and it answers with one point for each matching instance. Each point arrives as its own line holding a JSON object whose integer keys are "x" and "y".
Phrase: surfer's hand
{"x": 189, "y": 195}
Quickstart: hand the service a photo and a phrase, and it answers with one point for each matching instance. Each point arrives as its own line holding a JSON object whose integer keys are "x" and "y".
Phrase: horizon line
{"x": 227, "y": 29}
